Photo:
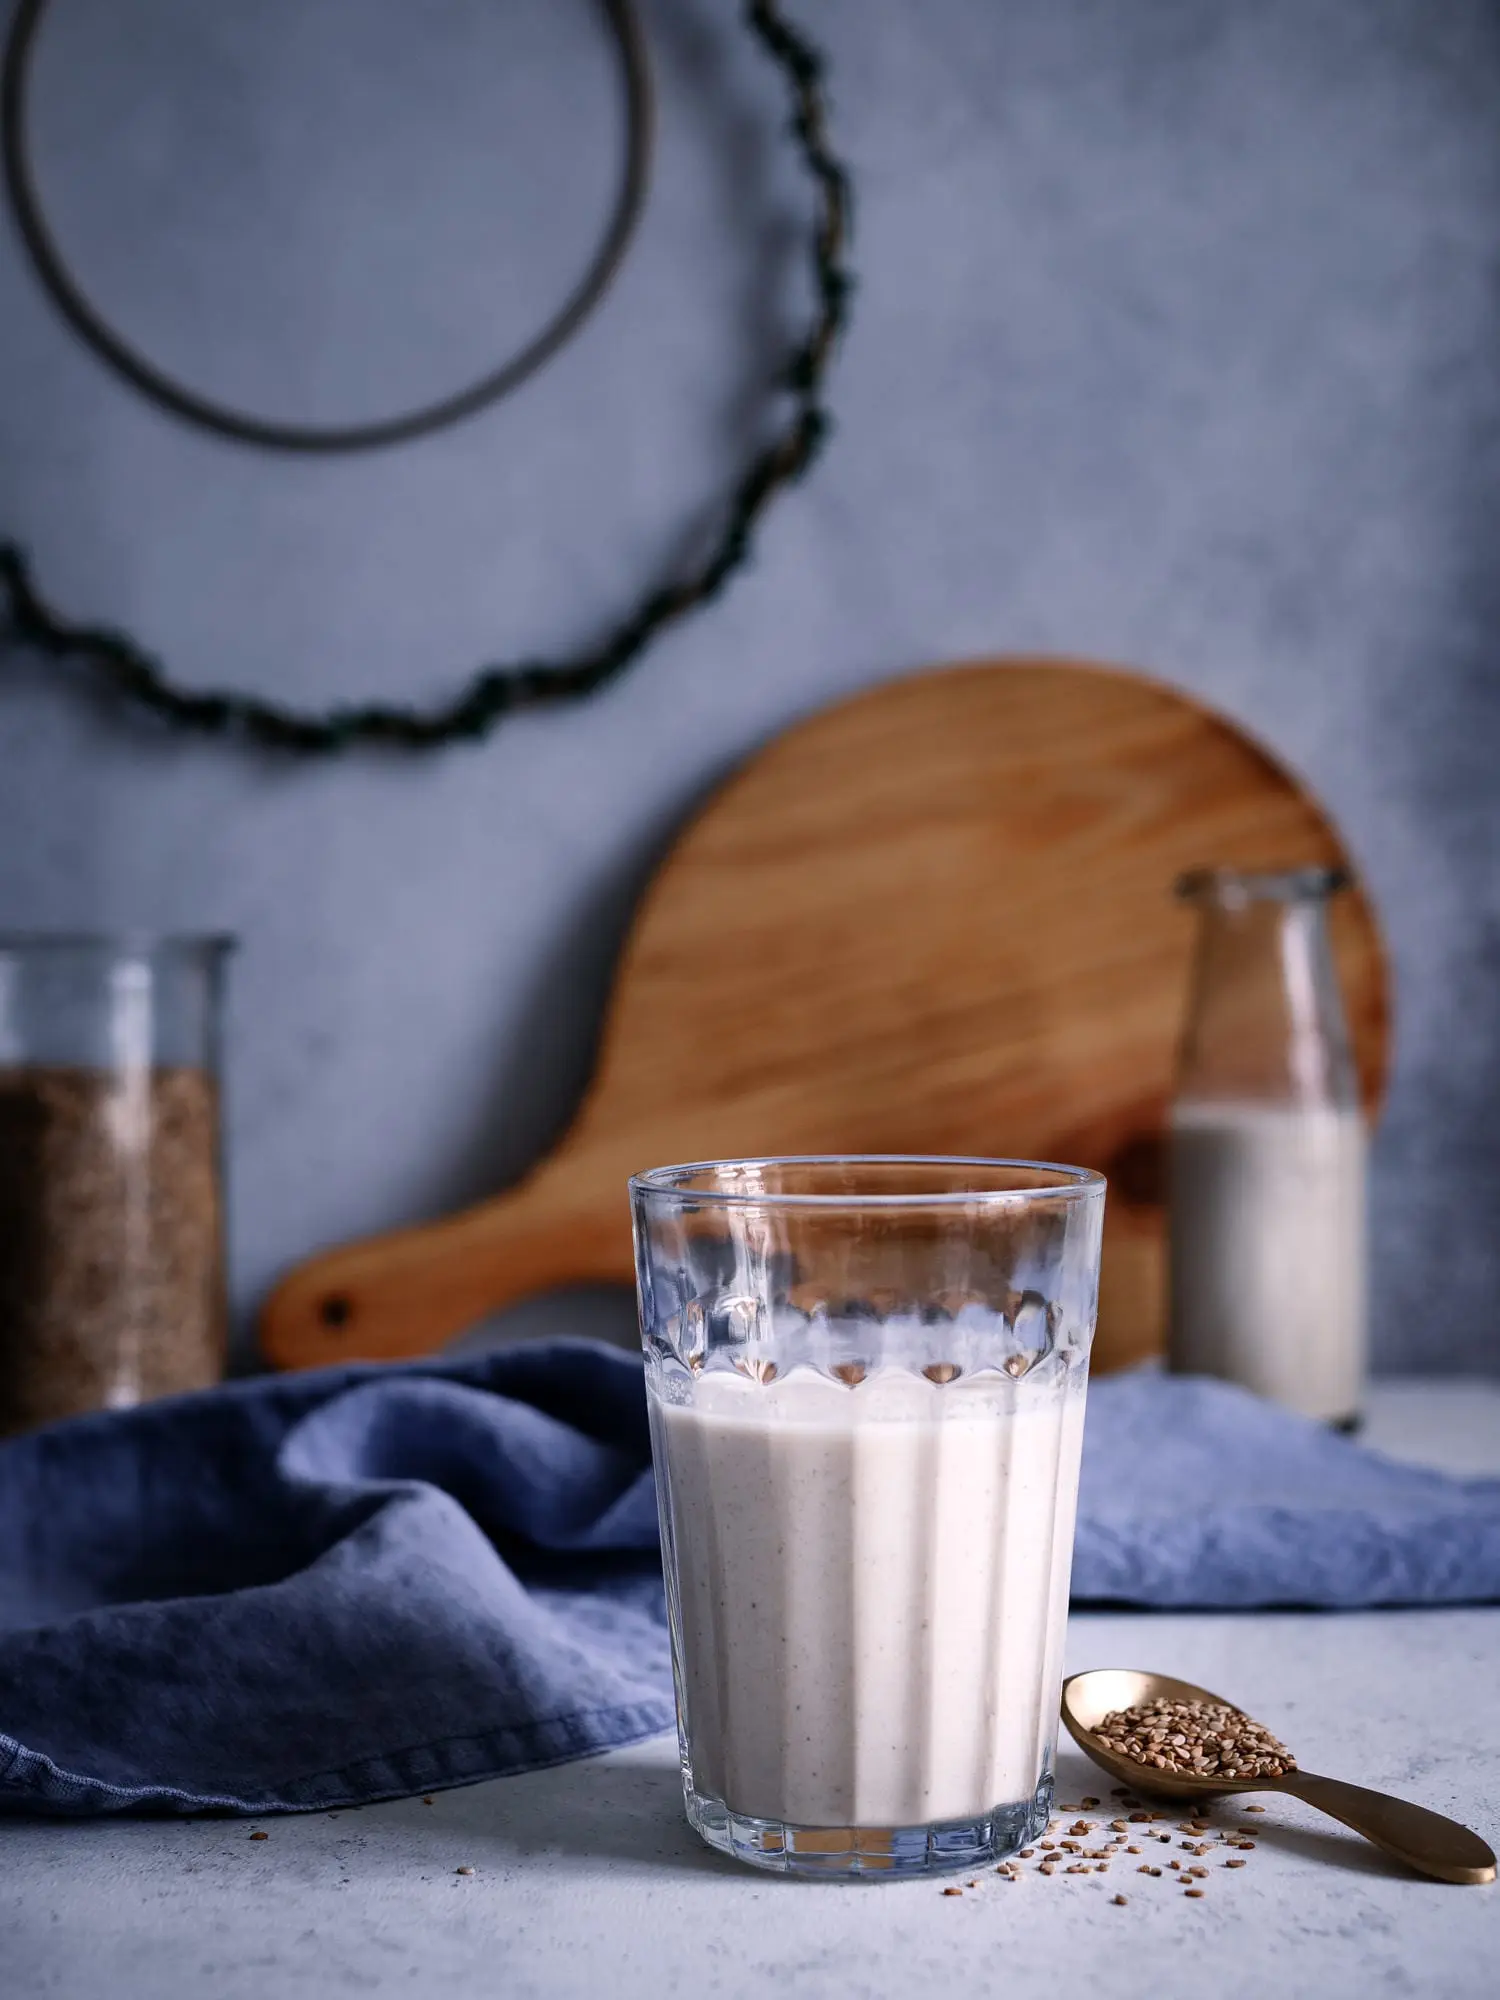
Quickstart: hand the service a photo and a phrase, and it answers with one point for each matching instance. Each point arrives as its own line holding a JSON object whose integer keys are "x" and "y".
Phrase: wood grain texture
{"x": 936, "y": 918}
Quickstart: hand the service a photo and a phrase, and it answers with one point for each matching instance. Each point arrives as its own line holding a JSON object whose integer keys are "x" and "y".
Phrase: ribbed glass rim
{"x": 124, "y": 944}
{"x": 1313, "y": 884}
{"x": 676, "y": 1183}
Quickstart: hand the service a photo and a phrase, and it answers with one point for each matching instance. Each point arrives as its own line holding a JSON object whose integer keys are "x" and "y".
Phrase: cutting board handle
{"x": 397, "y": 1296}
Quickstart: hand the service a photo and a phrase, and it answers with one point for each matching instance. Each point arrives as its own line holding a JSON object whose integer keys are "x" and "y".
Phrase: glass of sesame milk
{"x": 866, "y": 1384}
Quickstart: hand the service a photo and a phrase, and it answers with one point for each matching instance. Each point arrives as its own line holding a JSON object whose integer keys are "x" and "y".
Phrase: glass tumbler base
{"x": 879, "y": 1853}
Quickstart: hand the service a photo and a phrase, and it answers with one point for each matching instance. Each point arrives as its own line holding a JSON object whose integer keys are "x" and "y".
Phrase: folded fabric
{"x": 314, "y": 1590}
{"x": 1198, "y": 1494}
{"x": 318, "y": 1590}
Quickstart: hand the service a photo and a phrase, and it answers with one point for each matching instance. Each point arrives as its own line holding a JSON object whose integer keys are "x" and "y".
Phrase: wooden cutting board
{"x": 937, "y": 919}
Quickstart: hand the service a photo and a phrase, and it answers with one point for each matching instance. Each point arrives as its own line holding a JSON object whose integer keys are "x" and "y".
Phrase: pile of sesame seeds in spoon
{"x": 1204, "y": 1739}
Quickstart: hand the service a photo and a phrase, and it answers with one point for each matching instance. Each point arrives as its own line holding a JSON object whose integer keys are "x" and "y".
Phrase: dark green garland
{"x": 129, "y": 673}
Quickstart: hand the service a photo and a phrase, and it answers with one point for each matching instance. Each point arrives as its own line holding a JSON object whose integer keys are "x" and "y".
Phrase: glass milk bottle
{"x": 1267, "y": 1154}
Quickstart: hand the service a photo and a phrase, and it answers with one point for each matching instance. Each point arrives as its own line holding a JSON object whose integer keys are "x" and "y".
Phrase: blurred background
{"x": 1176, "y": 344}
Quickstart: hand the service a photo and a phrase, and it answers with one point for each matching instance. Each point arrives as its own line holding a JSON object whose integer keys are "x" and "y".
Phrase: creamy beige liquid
{"x": 1268, "y": 1251}
{"x": 872, "y": 1589}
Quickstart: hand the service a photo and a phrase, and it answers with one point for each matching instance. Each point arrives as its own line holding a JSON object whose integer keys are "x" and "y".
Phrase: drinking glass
{"x": 866, "y": 1384}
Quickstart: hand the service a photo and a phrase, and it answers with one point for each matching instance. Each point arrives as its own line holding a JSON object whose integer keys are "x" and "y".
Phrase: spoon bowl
{"x": 1426, "y": 1841}
{"x": 1088, "y": 1698}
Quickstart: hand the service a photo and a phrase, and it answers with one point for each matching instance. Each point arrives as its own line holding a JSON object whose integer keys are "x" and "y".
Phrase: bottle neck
{"x": 1265, "y": 1021}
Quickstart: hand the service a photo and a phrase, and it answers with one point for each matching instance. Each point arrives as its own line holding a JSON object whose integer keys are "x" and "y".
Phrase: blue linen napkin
{"x": 319, "y": 1590}
{"x": 1197, "y": 1494}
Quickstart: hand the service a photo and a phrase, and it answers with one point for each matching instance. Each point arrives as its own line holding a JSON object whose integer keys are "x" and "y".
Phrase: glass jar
{"x": 1267, "y": 1151}
{"x": 112, "y": 1283}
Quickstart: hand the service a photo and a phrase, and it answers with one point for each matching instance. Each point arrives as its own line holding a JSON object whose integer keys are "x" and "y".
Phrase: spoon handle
{"x": 1424, "y": 1840}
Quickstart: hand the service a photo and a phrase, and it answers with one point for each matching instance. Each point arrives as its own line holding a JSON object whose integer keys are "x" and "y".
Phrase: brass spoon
{"x": 1424, "y": 1840}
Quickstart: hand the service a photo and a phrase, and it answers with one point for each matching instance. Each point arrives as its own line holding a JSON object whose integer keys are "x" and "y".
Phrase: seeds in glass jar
{"x": 111, "y": 1264}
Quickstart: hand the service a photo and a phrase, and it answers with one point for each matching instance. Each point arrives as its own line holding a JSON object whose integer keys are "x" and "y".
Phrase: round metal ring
{"x": 171, "y": 395}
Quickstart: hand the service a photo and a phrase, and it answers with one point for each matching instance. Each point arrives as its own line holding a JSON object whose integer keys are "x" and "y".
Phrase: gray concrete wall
{"x": 1177, "y": 343}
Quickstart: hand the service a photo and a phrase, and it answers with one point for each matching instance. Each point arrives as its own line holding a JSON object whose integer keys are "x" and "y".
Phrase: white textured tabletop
{"x": 586, "y": 1879}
